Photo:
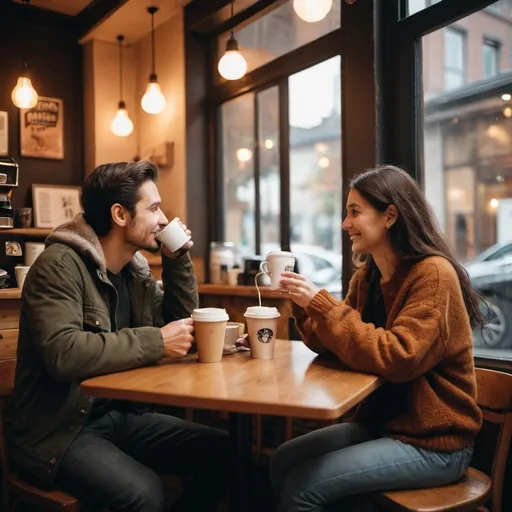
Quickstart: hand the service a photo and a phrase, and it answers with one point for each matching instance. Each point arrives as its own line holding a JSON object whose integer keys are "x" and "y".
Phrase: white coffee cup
{"x": 32, "y": 251}
{"x": 262, "y": 329}
{"x": 209, "y": 332}
{"x": 173, "y": 236}
{"x": 276, "y": 263}
{"x": 21, "y": 272}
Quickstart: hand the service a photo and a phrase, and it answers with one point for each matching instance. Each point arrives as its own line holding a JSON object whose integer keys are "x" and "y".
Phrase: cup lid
{"x": 210, "y": 315}
{"x": 261, "y": 312}
{"x": 274, "y": 254}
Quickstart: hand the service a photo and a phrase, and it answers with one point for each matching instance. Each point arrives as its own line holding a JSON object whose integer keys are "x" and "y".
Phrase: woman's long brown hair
{"x": 415, "y": 234}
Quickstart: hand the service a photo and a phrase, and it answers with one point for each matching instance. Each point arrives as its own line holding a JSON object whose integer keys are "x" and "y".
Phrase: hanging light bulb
{"x": 153, "y": 101}
{"x": 24, "y": 95}
{"x": 312, "y": 10}
{"x": 232, "y": 64}
{"x": 121, "y": 125}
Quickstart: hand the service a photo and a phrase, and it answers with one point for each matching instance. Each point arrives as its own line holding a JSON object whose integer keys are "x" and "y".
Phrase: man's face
{"x": 148, "y": 220}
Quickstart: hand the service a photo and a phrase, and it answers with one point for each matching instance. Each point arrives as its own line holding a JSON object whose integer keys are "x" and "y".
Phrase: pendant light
{"x": 121, "y": 125}
{"x": 312, "y": 10}
{"x": 153, "y": 101}
{"x": 24, "y": 95}
{"x": 232, "y": 64}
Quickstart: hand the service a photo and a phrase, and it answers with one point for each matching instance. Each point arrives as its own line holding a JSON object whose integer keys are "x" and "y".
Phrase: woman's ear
{"x": 391, "y": 215}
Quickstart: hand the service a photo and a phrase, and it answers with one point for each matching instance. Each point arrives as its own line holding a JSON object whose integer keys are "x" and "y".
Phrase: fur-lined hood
{"x": 80, "y": 236}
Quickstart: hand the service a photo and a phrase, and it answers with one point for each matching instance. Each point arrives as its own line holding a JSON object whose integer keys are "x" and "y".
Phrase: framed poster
{"x": 42, "y": 129}
{"x": 55, "y": 204}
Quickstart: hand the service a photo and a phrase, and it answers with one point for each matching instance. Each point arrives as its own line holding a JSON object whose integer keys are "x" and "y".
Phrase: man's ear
{"x": 120, "y": 215}
{"x": 391, "y": 215}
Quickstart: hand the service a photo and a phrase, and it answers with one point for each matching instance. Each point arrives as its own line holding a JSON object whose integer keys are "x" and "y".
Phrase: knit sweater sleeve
{"x": 414, "y": 342}
{"x": 308, "y": 327}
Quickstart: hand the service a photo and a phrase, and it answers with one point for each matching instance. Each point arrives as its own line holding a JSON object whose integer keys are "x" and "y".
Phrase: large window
{"x": 253, "y": 181}
{"x": 468, "y": 162}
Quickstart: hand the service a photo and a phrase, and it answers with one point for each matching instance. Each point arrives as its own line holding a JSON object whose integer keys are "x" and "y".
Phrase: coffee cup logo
{"x": 265, "y": 335}
{"x": 288, "y": 268}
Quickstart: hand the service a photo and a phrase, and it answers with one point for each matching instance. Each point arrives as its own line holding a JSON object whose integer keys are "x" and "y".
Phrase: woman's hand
{"x": 298, "y": 288}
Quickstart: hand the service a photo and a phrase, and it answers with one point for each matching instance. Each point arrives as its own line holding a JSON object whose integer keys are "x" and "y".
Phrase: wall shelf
{"x": 29, "y": 232}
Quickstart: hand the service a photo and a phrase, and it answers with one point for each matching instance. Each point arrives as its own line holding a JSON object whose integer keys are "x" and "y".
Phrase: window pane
{"x": 414, "y": 6}
{"x": 270, "y": 179}
{"x": 490, "y": 56}
{"x": 277, "y": 33}
{"x": 315, "y": 172}
{"x": 468, "y": 160}
{"x": 238, "y": 171}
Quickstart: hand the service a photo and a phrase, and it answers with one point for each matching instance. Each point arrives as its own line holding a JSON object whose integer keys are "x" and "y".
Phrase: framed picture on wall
{"x": 55, "y": 204}
{"x": 42, "y": 129}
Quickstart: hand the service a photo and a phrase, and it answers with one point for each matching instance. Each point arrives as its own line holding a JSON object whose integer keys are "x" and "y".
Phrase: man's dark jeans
{"x": 115, "y": 461}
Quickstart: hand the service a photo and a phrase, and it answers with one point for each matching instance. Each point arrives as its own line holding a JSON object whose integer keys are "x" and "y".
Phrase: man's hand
{"x": 178, "y": 337}
{"x": 182, "y": 250}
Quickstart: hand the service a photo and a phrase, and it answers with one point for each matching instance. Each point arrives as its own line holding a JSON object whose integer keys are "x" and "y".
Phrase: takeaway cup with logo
{"x": 277, "y": 262}
{"x": 262, "y": 329}
{"x": 209, "y": 332}
{"x": 173, "y": 236}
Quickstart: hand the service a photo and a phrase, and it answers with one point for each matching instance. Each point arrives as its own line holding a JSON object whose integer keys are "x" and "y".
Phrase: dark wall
{"x": 55, "y": 62}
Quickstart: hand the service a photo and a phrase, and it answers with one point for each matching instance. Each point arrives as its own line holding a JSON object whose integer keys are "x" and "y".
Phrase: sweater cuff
{"x": 321, "y": 304}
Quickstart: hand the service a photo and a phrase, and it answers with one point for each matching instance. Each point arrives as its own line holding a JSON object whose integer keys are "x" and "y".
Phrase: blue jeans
{"x": 324, "y": 466}
{"x": 115, "y": 460}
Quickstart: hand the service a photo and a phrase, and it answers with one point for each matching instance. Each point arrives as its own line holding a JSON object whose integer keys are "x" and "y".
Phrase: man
{"x": 91, "y": 306}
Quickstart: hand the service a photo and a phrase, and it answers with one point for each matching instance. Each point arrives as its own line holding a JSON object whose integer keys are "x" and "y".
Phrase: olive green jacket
{"x": 68, "y": 334}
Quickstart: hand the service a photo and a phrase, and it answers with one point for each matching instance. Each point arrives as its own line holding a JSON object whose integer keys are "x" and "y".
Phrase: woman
{"x": 407, "y": 317}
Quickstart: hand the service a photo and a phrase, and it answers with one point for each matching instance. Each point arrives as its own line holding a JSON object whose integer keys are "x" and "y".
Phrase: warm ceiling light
{"x": 312, "y": 10}
{"x": 121, "y": 125}
{"x": 153, "y": 101}
{"x": 269, "y": 143}
{"x": 232, "y": 65}
{"x": 24, "y": 95}
{"x": 506, "y": 97}
{"x": 507, "y": 112}
{"x": 243, "y": 154}
{"x": 494, "y": 203}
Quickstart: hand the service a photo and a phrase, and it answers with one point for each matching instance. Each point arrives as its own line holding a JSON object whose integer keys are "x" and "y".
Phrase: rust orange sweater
{"x": 425, "y": 353}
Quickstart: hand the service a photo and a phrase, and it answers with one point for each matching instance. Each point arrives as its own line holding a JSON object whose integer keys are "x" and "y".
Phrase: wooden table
{"x": 297, "y": 383}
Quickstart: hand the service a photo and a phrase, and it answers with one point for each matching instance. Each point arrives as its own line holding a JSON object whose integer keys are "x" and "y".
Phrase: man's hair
{"x": 110, "y": 184}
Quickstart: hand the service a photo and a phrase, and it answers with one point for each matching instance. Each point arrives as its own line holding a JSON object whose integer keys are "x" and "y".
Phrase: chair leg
{"x": 14, "y": 506}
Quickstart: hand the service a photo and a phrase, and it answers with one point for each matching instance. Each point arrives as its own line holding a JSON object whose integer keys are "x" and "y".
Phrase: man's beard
{"x": 143, "y": 247}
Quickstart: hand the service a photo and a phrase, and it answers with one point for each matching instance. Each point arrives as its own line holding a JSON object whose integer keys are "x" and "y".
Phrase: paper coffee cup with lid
{"x": 173, "y": 236}
{"x": 262, "y": 330}
{"x": 209, "y": 332}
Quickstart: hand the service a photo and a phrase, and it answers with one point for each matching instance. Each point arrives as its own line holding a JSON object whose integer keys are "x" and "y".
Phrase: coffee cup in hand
{"x": 173, "y": 235}
{"x": 276, "y": 263}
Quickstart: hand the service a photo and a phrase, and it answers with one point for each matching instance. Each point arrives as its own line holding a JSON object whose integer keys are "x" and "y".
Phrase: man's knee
{"x": 144, "y": 495}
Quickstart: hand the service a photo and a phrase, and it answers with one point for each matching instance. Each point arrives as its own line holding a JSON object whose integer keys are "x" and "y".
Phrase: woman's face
{"x": 367, "y": 227}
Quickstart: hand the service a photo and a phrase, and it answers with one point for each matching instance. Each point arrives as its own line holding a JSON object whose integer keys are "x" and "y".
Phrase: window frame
{"x": 402, "y": 114}
{"x": 496, "y": 44}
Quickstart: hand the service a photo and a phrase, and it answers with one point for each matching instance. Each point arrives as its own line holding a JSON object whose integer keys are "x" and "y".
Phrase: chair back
{"x": 7, "y": 370}
{"x": 494, "y": 397}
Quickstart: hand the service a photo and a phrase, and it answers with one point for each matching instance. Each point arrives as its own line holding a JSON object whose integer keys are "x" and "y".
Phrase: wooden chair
{"x": 474, "y": 491}
{"x": 11, "y": 483}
